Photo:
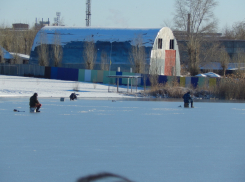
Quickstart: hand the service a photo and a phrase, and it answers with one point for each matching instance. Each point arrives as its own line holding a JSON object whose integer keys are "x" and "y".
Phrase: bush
{"x": 230, "y": 88}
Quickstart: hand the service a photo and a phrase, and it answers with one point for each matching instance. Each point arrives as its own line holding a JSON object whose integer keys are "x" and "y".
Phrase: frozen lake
{"x": 142, "y": 140}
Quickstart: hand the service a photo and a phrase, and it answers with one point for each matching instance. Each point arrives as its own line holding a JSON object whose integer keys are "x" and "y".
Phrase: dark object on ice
{"x": 15, "y": 110}
{"x": 113, "y": 101}
{"x": 93, "y": 178}
{"x": 179, "y": 105}
{"x": 73, "y": 96}
{"x": 34, "y": 103}
{"x": 188, "y": 99}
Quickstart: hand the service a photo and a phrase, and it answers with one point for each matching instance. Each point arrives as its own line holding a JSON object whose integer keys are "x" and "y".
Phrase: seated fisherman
{"x": 188, "y": 99}
{"x": 34, "y": 103}
{"x": 73, "y": 96}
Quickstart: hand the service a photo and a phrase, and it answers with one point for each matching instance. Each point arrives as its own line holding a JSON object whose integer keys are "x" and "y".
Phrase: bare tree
{"x": 197, "y": 19}
{"x": 239, "y": 60}
{"x": 43, "y": 50}
{"x": 1, "y": 55}
{"x": 137, "y": 56}
{"x": 15, "y": 46}
{"x": 154, "y": 71}
{"x": 10, "y": 41}
{"x": 57, "y": 49}
{"x": 237, "y": 31}
{"x": 105, "y": 61}
{"x": 16, "y": 59}
{"x": 223, "y": 59}
{"x": 28, "y": 37}
{"x": 168, "y": 23}
{"x": 1, "y": 44}
{"x": 89, "y": 52}
{"x": 6, "y": 39}
{"x": 209, "y": 50}
{"x": 17, "y": 41}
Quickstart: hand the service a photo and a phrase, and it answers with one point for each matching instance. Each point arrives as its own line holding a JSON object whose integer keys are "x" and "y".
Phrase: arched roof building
{"x": 161, "y": 48}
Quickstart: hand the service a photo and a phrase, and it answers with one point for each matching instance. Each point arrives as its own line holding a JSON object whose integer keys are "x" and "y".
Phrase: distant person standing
{"x": 188, "y": 99}
{"x": 34, "y": 103}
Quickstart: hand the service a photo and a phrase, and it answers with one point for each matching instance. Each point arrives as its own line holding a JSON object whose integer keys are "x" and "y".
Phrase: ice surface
{"x": 141, "y": 140}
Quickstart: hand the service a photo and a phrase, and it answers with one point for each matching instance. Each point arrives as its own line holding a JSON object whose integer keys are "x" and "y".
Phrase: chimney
{"x": 189, "y": 25}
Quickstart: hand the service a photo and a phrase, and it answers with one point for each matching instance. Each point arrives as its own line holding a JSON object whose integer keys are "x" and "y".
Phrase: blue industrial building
{"x": 116, "y": 42}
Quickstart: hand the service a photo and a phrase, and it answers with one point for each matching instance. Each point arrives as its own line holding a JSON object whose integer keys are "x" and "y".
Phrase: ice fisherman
{"x": 188, "y": 99}
{"x": 34, "y": 103}
{"x": 73, "y": 96}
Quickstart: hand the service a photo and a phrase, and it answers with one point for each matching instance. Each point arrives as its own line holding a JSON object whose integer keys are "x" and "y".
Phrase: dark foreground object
{"x": 15, "y": 110}
{"x": 186, "y": 105}
{"x": 93, "y": 178}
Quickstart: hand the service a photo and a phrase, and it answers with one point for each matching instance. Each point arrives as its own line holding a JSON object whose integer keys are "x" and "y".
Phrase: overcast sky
{"x": 110, "y": 13}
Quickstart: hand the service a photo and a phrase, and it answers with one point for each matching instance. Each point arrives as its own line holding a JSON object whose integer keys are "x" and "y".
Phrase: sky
{"x": 110, "y": 13}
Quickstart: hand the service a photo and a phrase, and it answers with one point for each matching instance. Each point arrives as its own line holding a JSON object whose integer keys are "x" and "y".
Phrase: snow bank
{"x": 14, "y": 86}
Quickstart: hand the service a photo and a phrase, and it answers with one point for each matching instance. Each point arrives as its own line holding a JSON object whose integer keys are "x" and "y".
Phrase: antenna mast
{"x": 57, "y": 19}
{"x": 88, "y": 13}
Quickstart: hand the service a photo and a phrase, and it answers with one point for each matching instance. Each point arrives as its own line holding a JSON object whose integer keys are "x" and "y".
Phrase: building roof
{"x": 23, "y": 56}
{"x": 69, "y": 34}
{"x": 217, "y": 66}
{"x": 7, "y": 55}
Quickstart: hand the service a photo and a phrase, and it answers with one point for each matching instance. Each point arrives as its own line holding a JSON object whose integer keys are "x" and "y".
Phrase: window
{"x": 159, "y": 43}
{"x": 171, "y": 44}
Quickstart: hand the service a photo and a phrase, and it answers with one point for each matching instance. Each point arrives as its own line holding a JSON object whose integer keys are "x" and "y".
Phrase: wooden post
{"x": 131, "y": 85}
{"x": 117, "y": 84}
{"x": 136, "y": 83}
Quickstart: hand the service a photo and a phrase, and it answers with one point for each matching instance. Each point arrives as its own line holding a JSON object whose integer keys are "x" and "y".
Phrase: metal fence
{"x": 100, "y": 76}
{"x": 22, "y": 70}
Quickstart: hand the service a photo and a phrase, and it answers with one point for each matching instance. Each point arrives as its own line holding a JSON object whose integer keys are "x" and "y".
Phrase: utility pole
{"x": 57, "y": 19}
{"x": 88, "y": 13}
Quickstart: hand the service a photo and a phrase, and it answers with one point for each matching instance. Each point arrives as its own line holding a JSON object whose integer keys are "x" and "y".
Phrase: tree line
{"x": 16, "y": 41}
{"x": 202, "y": 44}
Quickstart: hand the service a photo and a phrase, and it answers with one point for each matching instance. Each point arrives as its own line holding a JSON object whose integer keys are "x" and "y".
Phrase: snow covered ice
{"x": 141, "y": 140}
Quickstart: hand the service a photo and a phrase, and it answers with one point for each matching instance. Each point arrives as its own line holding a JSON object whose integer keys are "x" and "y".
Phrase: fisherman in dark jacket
{"x": 73, "y": 96}
{"x": 34, "y": 103}
{"x": 188, "y": 99}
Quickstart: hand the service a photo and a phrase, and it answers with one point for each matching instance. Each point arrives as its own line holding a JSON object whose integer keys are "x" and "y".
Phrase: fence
{"x": 98, "y": 76}
{"x": 22, "y": 70}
